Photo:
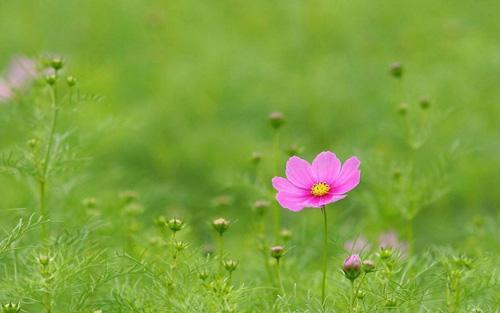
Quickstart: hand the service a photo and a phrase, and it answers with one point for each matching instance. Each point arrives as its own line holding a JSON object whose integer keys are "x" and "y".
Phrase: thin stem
{"x": 351, "y": 307}
{"x": 221, "y": 253}
{"x": 277, "y": 211}
{"x": 42, "y": 180}
{"x": 278, "y": 271}
{"x": 325, "y": 256}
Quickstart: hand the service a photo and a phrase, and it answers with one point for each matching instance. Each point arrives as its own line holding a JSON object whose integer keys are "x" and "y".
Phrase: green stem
{"x": 351, "y": 307}
{"x": 277, "y": 211}
{"x": 278, "y": 270}
{"x": 42, "y": 180}
{"x": 221, "y": 254}
{"x": 325, "y": 256}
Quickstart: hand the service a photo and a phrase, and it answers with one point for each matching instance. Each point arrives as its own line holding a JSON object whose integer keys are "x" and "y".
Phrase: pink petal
{"x": 298, "y": 172}
{"x": 283, "y": 184}
{"x": 350, "y": 183}
{"x": 287, "y": 203}
{"x": 350, "y": 165}
{"x": 325, "y": 167}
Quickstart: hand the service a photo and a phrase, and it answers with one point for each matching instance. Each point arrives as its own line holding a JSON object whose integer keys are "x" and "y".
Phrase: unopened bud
{"x": 396, "y": 69}
{"x": 33, "y": 142}
{"x": 402, "y": 108}
{"x": 260, "y": 207}
{"x": 277, "y": 252}
{"x": 89, "y": 203}
{"x": 43, "y": 260}
{"x": 129, "y": 196}
{"x": 56, "y": 63}
{"x": 175, "y": 224}
{"x": 360, "y": 294}
{"x": 425, "y": 103}
{"x": 203, "y": 275}
{"x": 286, "y": 234}
{"x": 51, "y": 79}
{"x": 71, "y": 81}
{"x": 11, "y": 308}
{"x": 368, "y": 266}
{"x": 221, "y": 225}
{"x": 230, "y": 265}
{"x": 386, "y": 252}
{"x": 352, "y": 267}
{"x": 277, "y": 119}
{"x": 293, "y": 149}
{"x": 160, "y": 221}
{"x": 256, "y": 157}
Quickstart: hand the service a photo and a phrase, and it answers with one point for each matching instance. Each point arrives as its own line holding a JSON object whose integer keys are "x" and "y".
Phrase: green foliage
{"x": 154, "y": 194}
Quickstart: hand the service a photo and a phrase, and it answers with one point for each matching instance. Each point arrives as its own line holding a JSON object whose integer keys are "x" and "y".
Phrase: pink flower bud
{"x": 352, "y": 267}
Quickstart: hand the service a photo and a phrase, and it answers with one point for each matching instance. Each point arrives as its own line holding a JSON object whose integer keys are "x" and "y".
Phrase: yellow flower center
{"x": 320, "y": 189}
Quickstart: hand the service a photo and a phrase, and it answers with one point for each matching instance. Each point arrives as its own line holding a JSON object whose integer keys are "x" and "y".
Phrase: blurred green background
{"x": 187, "y": 86}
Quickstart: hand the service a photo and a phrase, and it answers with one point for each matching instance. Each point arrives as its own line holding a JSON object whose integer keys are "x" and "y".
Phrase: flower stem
{"x": 351, "y": 307}
{"x": 221, "y": 254}
{"x": 325, "y": 256}
{"x": 278, "y": 271}
{"x": 42, "y": 179}
{"x": 277, "y": 211}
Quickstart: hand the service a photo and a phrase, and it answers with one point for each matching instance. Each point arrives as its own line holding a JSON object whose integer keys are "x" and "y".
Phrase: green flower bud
{"x": 51, "y": 79}
{"x": 221, "y": 225}
{"x": 71, "y": 81}
{"x": 286, "y": 234}
{"x": 368, "y": 266}
{"x": 255, "y": 158}
{"x": 175, "y": 224}
{"x": 396, "y": 69}
{"x": 203, "y": 275}
{"x": 260, "y": 207}
{"x": 89, "y": 203}
{"x": 425, "y": 103}
{"x": 276, "y": 119}
{"x": 386, "y": 253}
{"x": 56, "y": 63}
{"x": 43, "y": 260}
{"x": 129, "y": 196}
{"x": 277, "y": 252}
{"x": 11, "y": 308}
{"x": 402, "y": 108}
{"x": 360, "y": 294}
{"x": 230, "y": 265}
{"x": 33, "y": 142}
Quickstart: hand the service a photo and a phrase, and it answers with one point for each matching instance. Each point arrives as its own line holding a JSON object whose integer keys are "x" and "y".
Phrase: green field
{"x": 169, "y": 118}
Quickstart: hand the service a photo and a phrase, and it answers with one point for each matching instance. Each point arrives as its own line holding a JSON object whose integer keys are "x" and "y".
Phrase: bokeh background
{"x": 185, "y": 87}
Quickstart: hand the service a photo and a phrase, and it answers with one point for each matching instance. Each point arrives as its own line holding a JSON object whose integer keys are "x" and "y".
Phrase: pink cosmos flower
{"x": 5, "y": 91}
{"x": 318, "y": 184}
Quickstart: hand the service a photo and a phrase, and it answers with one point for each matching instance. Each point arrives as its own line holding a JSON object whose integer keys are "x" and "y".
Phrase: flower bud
{"x": 51, "y": 79}
{"x": 352, "y": 267}
{"x": 255, "y": 158}
{"x": 43, "y": 260}
{"x": 425, "y": 103}
{"x": 203, "y": 275}
{"x": 89, "y": 203}
{"x": 386, "y": 253}
{"x": 71, "y": 81}
{"x": 360, "y": 294}
{"x": 129, "y": 196}
{"x": 396, "y": 69}
{"x": 293, "y": 149}
{"x": 98, "y": 311}
{"x": 368, "y": 266}
{"x": 277, "y": 252}
{"x": 390, "y": 303}
{"x": 286, "y": 234}
{"x": 230, "y": 265}
{"x": 260, "y": 207}
{"x": 11, "y": 308}
{"x": 33, "y": 142}
{"x": 208, "y": 250}
{"x": 175, "y": 224}
{"x": 402, "y": 108}
{"x": 277, "y": 119}
{"x": 56, "y": 63}
{"x": 221, "y": 225}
